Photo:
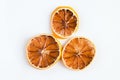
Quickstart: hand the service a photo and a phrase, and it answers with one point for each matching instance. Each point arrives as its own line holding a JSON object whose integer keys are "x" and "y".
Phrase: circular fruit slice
{"x": 43, "y": 51}
{"x": 78, "y": 53}
{"x": 64, "y": 21}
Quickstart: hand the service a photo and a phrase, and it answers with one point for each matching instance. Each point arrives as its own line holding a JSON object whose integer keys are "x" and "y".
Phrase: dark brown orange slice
{"x": 78, "y": 53}
{"x": 43, "y": 51}
{"x": 64, "y": 21}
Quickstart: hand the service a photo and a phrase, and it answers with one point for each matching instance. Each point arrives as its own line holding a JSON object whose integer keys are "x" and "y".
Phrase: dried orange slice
{"x": 64, "y": 21}
{"x": 78, "y": 53}
{"x": 43, "y": 51}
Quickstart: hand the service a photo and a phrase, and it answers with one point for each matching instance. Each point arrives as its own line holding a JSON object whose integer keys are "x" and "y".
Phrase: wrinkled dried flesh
{"x": 43, "y": 51}
{"x": 78, "y": 53}
{"x": 64, "y": 22}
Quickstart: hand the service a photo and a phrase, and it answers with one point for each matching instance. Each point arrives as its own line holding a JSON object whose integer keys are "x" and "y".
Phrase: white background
{"x": 22, "y": 19}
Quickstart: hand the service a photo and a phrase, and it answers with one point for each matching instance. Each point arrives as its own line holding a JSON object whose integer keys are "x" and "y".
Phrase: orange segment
{"x": 64, "y": 21}
{"x": 43, "y": 51}
{"x": 78, "y": 53}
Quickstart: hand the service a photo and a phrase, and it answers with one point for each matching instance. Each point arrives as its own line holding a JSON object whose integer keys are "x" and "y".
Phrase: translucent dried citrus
{"x": 43, "y": 51}
{"x": 64, "y": 21}
{"x": 78, "y": 53}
